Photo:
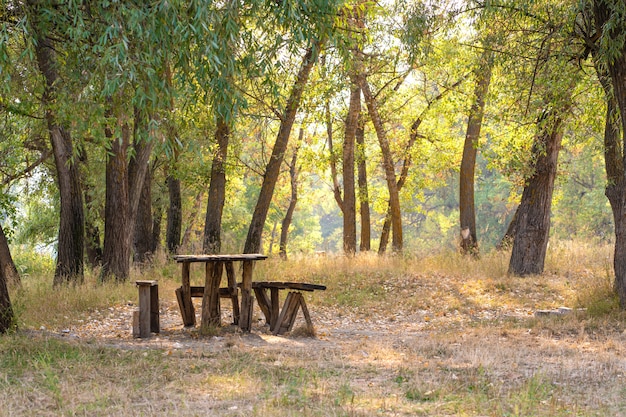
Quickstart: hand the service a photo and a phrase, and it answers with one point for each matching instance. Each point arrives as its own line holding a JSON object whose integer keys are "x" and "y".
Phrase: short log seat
{"x": 279, "y": 320}
{"x": 146, "y": 319}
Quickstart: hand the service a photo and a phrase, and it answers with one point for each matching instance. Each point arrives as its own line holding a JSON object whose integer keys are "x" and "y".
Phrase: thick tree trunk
{"x": 174, "y": 215}
{"x": 272, "y": 170}
{"x": 467, "y": 213}
{"x": 349, "y": 189}
{"x": 364, "y": 199}
{"x": 142, "y": 237}
{"x": 284, "y": 227}
{"x": 70, "y": 246}
{"x": 138, "y": 168}
{"x": 388, "y": 165}
{"x": 612, "y": 76}
{"x": 533, "y": 217}
{"x": 217, "y": 191}
{"x": 6, "y": 310}
{"x": 116, "y": 254}
{"x": 616, "y": 192}
{"x": 6, "y": 260}
{"x": 139, "y": 189}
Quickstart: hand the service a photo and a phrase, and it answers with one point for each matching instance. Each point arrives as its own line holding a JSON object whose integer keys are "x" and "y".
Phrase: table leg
{"x": 187, "y": 310}
{"x": 211, "y": 315}
{"x": 233, "y": 291}
{"x": 245, "y": 322}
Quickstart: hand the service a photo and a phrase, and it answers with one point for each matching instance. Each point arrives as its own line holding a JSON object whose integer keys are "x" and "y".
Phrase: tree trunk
{"x": 157, "y": 217}
{"x": 364, "y": 199}
{"x": 70, "y": 246}
{"x": 467, "y": 213}
{"x": 6, "y": 261}
{"x": 6, "y": 310}
{"x": 612, "y": 75}
{"x": 388, "y": 165}
{"x": 138, "y": 168}
{"x": 533, "y": 217}
{"x": 143, "y": 234}
{"x": 272, "y": 170}
{"x": 284, "y": 227}
{"x": 333, "y": 157}
{"x": 93, "y": 248}
{"x": 507, "y": 240}
{"x": 349, "y": 190}
{"x": 116, "y": 254}
{"x": 174, "y": 215}
{"x": 217, "y": 190}
{"x": 616, "y": 192}
{"x": 191, "y": 223}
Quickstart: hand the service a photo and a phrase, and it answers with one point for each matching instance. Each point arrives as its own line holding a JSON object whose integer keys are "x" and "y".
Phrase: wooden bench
{"x": 282, "y": 320}
{"x": 279, "y": 320}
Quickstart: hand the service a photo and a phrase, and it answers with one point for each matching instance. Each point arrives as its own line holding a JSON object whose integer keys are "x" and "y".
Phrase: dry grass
{"x": 396, "y": 336}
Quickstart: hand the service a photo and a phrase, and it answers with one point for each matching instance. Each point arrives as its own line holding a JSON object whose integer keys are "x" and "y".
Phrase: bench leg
{"x": 288, "y": 313}
{"x": 264, "y": 304}
{"x": 275, "y": 308}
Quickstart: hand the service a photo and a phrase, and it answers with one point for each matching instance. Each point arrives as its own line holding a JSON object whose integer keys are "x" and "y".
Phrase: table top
{"x": 220, "y": 258}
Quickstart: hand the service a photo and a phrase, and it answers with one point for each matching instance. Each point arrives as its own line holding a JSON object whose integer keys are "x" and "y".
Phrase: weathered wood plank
{"x": 155, "y": 320}
{"x": 211, "y": 314}
{"x": 245, "y": 321}
{"x": 288, "y": 313}
{"x": 233, "y": 290}
{"x": 187, "y": 310}
{"x": 301, "y": 286}
{"x": 264, "y": 303}
{"x": 275, "y": 307}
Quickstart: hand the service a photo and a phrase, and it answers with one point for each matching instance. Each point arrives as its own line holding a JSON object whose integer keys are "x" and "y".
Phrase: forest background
{"x": 284, "y": 125}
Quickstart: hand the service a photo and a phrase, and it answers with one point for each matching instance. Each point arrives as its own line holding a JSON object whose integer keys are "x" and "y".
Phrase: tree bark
{"x": 286, "y": 223}
{"x": 138, "y": 167}
{"x": 272, "y": 170}
{"x": 533, "y": 217}
{"x": 349, "y": 190}
{"x": 174, "y": 214}
{"x": 363, "y": 194}
{"x": 388, "y": 165}
{"x": 6, "y": 260}
{"x": 217, "y": 190}
{"x": 333, "y": 157}
{"x": 507, "y": 240}
{"x": 467, "y": 213}
{"x": 6, "y": 310}
{"x": 612, "y": 75}
{"x": 70, "y": 246}
{"x": 143, "y": 234}
{"x": 157, "y": 217}
{"x": 116, "y": 253}
{"x": 191, "y": 223}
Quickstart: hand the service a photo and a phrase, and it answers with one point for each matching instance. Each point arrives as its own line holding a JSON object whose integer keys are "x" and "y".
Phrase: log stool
{"x": 146, "y": 320}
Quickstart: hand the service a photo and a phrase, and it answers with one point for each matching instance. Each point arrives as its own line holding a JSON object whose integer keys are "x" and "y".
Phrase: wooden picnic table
{"x": 214, "y": 266}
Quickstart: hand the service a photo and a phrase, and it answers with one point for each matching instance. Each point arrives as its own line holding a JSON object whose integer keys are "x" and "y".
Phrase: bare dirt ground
{"x": 583, "y": 364}
{"x": 399, "y": 344}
